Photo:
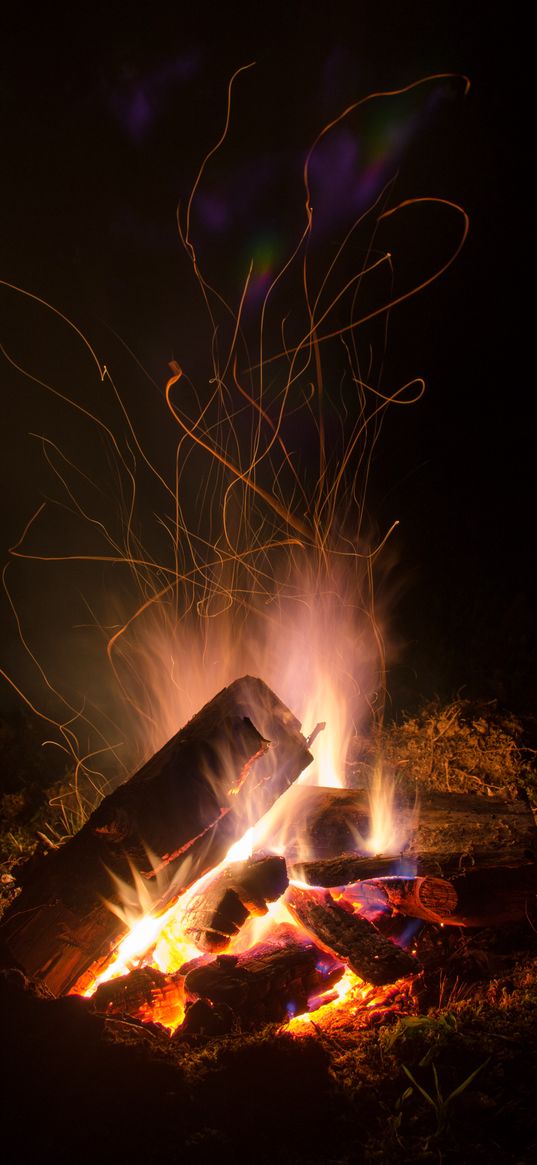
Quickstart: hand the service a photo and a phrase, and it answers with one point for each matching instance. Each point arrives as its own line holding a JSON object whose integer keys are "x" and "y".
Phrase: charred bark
{"x": 444, "y": 832}
{"x": 186, "y": 806}
{"x": 346, "y": 869}
{"x": 240, "y": 890}
{"x": 267, "y": 984}
{"x": 477, "y": 897}
{"x": 145, "y": 993}
{"x": 350, "y": 936}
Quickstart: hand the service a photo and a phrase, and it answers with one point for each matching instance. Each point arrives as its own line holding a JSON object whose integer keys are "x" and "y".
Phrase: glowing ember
{"x": 160, "y": 942}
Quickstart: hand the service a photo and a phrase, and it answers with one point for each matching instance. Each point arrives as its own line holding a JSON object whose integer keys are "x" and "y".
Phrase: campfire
{"x": 261, "y": 898}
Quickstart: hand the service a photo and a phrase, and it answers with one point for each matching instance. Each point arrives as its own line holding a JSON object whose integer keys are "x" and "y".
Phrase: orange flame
{"x": 268, "y": 572}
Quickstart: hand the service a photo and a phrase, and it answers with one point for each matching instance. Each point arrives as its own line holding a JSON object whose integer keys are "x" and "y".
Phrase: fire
{"x": 258, "y": 559}
{"x": 389, "y": 829}
{"x": 158, "y": 941}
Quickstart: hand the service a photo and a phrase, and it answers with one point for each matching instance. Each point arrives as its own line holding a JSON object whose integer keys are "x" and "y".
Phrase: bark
{"x": 492, "y": 896}
{"x": 145, "y": 994}
{"x": 267, "y": 984}
{"x": 240, "y": 890}
{"x": 443, "y": 832}
{"x": 185, "y": 807}
{"x": 346, "y": 869}
{"x": 350, "y": 936}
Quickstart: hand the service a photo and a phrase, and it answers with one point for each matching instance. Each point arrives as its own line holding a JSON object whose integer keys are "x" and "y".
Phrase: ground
{"x": 446, "y": 1075}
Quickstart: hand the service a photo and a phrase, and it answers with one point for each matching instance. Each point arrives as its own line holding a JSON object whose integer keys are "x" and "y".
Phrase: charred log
{"x": 145, "y": 993}
{"x": 350, "y": 936}
{"x": 240, "y": 890}
{"x": 267, "y": 984}
{"x": 187, "y": 805}
{"x": 444, "y": 831}
{"x": 346, "y": 869}
{"x": 476, "y": 897}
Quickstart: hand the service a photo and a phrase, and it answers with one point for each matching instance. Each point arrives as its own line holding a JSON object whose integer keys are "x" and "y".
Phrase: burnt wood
{"x": 492, "y": 896}
{"x": 267, "y": 984}
{"x": 345, "y": 869}
{"x": 145, "y": 993}
{"x": 350, "y": 936}
{"x": 185, "y": 807}
{"x": 444, "y": 833}
{"x": 238, "y": 891}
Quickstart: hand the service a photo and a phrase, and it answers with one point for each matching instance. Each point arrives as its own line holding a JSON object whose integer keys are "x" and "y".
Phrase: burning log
{"x": 346, "y": 869}
{"x": 445, "y": 832}
{"x": 268, "y": 983}
{"x": 186, "y": 805}
{"x": 144, "y": 993}
{"x": 343, "y": 932}
{"x": 476, "y": 897}
{"x": 241, "y": 889}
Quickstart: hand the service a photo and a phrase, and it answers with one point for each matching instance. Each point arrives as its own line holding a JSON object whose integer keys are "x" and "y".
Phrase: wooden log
{"x": 186, "y": 806}
{"x": 347, "y": 869}
{"x": 240, "y": 890}
{"x": 492, "y": 896}
{"x": 146, "y": 994}
{"x": 350, "y": 936}
{"x": 267, "y": 984}
{"x": 444, "y": 831}
{"x": 433, "y": 899}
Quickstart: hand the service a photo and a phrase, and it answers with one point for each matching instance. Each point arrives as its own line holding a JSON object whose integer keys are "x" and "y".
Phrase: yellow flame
{"x": 274, "y": 579}
{"x": 390, "y": 826}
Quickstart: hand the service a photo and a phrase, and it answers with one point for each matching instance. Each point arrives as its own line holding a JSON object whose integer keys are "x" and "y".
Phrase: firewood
{"x": 186, "y": 806}
{"x": 350, "y": 936}
{"x": 345, "y": 869}
{"x": 267, "y": 984}
{"x": 433, "y": 899}
{"x": 444, "y": 831}
{"x": 240, "y": 890}
{"x": 145, "y": 993}
{"x": 492, "y": 896}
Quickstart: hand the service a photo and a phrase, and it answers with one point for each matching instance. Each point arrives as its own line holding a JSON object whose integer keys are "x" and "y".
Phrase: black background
{"x": 89, "y": 224}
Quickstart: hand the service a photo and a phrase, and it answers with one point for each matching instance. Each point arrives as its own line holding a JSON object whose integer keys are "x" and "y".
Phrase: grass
{"x": 450, "y": 1081}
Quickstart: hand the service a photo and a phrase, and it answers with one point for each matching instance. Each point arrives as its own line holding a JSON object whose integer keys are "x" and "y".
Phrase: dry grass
{"x": 463, "y": 747}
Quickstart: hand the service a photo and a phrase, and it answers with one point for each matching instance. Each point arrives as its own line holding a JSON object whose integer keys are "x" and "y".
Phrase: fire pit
{"x": 234, "y": 935}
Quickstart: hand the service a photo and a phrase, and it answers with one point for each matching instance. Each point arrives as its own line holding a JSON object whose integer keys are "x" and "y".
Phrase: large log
{"x": 443, "y": 833}
{"x": 239, "y": 890}
{"x": 267, "y": 984}
{"x": 350, "y": 936}
{"x": 185, "y": 807}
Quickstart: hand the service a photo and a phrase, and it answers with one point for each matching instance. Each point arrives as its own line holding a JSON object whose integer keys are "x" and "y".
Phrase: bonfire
{"x": 277, "y": 904}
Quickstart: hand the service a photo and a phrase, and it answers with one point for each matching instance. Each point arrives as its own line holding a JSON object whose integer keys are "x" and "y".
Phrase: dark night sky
{"x": 108, "y": 113}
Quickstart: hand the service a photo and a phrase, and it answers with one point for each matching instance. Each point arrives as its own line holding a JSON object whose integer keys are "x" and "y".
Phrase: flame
{"x": 258, "y": 559}
{"x": 389, "y": 826}
{"x": 159, "y": 940}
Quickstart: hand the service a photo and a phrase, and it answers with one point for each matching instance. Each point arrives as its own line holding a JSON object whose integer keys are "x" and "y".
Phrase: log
{"x": 186, "y": 806}
{"x": 444, "y": 832}
{"x": 240, "y": 890}
{"x": 347, "y": 869}
{"x": 350, "y": 936}
{"x": 492, "y": 896}
{"x": 270, "y": 983}
{"x": 145, "y": 993}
